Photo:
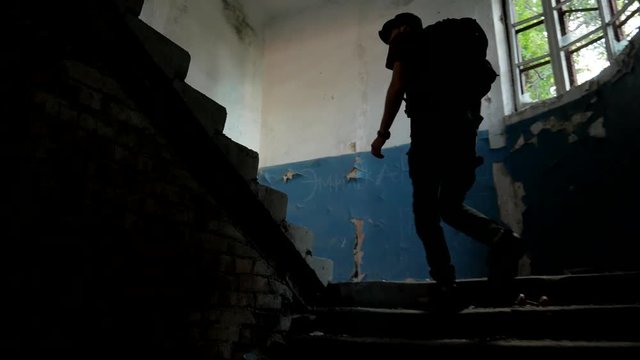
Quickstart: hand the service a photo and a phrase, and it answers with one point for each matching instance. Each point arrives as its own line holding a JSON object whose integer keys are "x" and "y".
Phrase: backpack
{"x": 455, "y": 50}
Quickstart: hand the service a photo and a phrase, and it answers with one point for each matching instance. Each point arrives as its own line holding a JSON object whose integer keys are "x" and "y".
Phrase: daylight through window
{"x": 558, "y": 45}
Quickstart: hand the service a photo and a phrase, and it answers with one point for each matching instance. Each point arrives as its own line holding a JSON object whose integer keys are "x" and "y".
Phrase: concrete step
{"x": 244, "y": 159}
{"x": 169, "y": 56}
{"x": 606, "y": 288}
{"x": 321, "y": 346}
{"x": 323, "y": 268}
{"x": 301, "y": 237}
{"x": 575, "y": 323}
{"x": 275, "y": 201}
{"x": 211, "y": 114}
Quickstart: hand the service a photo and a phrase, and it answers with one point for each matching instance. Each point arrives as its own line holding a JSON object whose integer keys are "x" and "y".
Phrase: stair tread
{"x": 463, "y": 342}
{"x": 478, "y": 309}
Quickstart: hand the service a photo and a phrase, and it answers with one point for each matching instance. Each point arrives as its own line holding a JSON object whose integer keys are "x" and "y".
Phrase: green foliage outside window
{"x": 537, "y": 82}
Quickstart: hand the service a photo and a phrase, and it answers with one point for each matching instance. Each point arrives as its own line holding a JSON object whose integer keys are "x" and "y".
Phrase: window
{"x": 558, "y": 44}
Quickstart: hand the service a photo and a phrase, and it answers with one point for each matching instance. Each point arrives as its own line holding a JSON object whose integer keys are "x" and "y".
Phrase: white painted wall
{"x": 311, "y": 82}
{"x": 324, "y": 78}
{"x": 226, "y": 63}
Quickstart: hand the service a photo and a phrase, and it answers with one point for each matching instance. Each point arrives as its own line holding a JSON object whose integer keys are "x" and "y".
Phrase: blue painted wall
{"x": 324, "y": 199}
{"x": 583, "y": 186}
{"x": 583, "y": 191}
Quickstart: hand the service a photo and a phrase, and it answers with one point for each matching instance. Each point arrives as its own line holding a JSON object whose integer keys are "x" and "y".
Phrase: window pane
{"x": 629, "y": 22}
{"x": 524, "y": 9}
{"x": 588, "y": 59}
{"x": 532, "y": 42}
{"x": 538, "y": 82}
{"x": 579, "y": 17}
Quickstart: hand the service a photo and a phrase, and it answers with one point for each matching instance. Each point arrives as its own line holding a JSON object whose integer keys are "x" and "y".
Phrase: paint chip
{"x": 289, "y": 175}
{"x": 353, "y": 174}
{"x": 519, "y": 143}
{"x": 597, "y": 129}
{"x": 555, "y": 125}
{"x": 581, "y": 117}
{"x": 572, "y": 138}
{"x": 536, "y": 128}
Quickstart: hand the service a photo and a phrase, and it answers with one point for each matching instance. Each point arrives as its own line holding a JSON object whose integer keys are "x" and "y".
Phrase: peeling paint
{"x": 597, "y": 129}
{"x": 521, "y": 142}
{"x": 353, "y": 174}
{"x": 358, "y": 275}
{"x": 510, "y": 195}
{"x": 289, "y": 175}
{"x": 555, "y": 124}
{"x": 581, "y": 117}
{"x": 352, "y": 147}
{"x": 512, "y": 207}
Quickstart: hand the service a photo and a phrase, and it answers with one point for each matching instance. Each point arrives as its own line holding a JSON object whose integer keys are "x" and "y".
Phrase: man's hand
{"x": 376, "y": 147}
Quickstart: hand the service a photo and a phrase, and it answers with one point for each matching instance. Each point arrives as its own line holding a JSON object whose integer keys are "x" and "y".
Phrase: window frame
{"x": 560, "y": 46}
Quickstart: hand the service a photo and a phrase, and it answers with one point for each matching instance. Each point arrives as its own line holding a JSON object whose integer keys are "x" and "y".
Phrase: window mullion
{"x": 558, "y": 62}
{"x": 607, "y": 28}
{"x": 515, "y": 71}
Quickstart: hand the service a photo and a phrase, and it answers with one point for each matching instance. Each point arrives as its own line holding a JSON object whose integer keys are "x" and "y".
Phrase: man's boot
{"x": 504, "y": 257}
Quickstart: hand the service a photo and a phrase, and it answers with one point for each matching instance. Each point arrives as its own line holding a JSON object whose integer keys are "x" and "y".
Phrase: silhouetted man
{"x": 442, "y": 155}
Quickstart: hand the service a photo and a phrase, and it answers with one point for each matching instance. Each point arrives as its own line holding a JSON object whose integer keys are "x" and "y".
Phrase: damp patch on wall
{"x": 236, "y": 17}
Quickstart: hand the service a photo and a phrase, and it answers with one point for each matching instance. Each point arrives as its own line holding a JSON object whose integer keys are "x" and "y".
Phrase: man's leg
{"x": 505, "y": 247}
{"x": 427, "y": 221}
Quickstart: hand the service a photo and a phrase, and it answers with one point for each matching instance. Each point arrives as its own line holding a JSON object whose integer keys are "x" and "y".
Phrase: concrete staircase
{"x": 174, "y": 62}
{"x": 585, "y": 314}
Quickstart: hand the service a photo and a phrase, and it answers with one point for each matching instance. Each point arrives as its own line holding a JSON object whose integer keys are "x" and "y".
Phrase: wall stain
{"x": 236, "y": 17}
{"x": 181, "y": 11}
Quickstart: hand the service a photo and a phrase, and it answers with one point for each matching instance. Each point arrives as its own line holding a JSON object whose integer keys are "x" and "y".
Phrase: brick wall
{"x": 110, "y": 244}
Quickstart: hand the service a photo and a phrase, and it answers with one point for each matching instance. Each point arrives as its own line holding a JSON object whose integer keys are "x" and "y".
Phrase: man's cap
{"x": 409, "y": 19}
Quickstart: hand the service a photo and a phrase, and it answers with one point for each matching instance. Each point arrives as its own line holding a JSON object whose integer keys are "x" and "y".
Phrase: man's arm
{"x": 393, "y": 101}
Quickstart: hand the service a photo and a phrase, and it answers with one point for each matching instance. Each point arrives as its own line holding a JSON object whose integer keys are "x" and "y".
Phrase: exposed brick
{"x": 195, "y": 316}
{"x": 268, "y": 301}
{"x": 281, "y": 289}
{"x": 91, "y": 77}
{"x": 285, "y": 323}
{"x": 223, "y": 263}
{"x": 232, "y": 316}
{"x": 228, "y": 230}
{"x": 101, "y": 128}
{"x": 253, "y": 283}
{"x": 131, "y": 117}
{"x": 214, "y": 242}
{"x": 262, "y": 268}
{"x": 243, "y": 250}
{"x": 222, "y": 332}
{"x": 244, "y": 265}
{"x": 49, "y": 103}
{"x": 246, "y": 335}
{"x": 242, "y": 299}
{"x": 90, "y": 98}
{"x": 163, "y": 233}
